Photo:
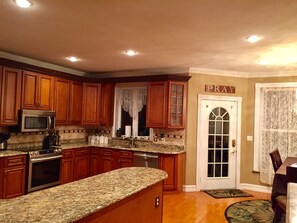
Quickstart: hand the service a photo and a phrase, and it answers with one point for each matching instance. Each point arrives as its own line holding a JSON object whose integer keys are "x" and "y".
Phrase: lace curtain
{"x": 131, "y": 100}
{"x": 278, "y": 127}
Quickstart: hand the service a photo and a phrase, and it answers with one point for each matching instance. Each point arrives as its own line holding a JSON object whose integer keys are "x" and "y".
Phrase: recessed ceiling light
{"x": 263, "y": 62}
{"x": 130, "y": 53}
{"x": 72, "y": 59}
{"x": 23, "y": 3}
{"x": 253, "y": 38}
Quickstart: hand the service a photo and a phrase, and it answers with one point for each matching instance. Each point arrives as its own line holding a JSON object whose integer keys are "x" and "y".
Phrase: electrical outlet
{"x": 157, "y": 202}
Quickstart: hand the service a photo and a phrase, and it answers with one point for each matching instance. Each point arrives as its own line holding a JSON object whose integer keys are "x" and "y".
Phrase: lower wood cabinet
{"x": 173, "y": 165}
{"x": 67, "y": 166}
{"x": 75, "y": 164}
{"x": 95, "y": 161}
{"x": 81, "y": 163}
{"x": 13, "y": 173}
{"x": 111, "y": 159}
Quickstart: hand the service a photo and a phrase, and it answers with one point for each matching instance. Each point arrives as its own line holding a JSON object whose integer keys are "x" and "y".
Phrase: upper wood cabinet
{"x": 107, "y": 104}
{"x": 10, "y": 91}
{"x": 76, "y": 101}
{"x": 37, "y": 91}
{"x": 68, "y": 102}
{"x": 91, "y": 103}
{"x": 166, "y": 104}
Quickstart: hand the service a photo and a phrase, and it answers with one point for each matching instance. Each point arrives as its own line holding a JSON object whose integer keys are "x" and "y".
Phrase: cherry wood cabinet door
{"x": 14, "y": 181}
{"x": 82, "y": 163}
{"x": 81, "y": 167}
{"x": 37, "y": 91}
{"x": 95, "y": 161}
{"x": 75, "y": 106}
{"x": 94, "y": 164}
{"x": 157, "y": 99}
{"x": 168, "y": 164}
{"x": 67, "y": 166}
{"x": 10, "y": 81}
{"x": 46, "y": 92}
{"x": 107, "y": 104}
{"x": 91, "y": 103}
{"x": 29, "y": 90}
{"x": 125, "y": 159}
{"x": 106, "y": 160}
{"x": 61, "y": 101}
{"x": 67, "y": 170}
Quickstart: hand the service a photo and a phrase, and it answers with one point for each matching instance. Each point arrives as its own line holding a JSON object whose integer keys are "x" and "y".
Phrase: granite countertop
{"x": 163, "y": 149}
{"x": 73, "y": 201}
{"x": 4, "y": 153}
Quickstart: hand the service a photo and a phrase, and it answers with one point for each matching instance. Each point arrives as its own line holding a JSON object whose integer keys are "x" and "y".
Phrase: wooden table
{"x": 291, "y": 212}
{"x": 279, "y": 186}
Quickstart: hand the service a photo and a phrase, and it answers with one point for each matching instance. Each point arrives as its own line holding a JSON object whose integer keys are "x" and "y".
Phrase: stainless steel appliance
{"x": 35, "y": 121}
{"x": 146, "y": 160}
{"x": 44, "y": 168}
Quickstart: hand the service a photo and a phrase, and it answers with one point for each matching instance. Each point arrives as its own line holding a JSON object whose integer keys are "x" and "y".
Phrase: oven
{"x": 44, "y": 169}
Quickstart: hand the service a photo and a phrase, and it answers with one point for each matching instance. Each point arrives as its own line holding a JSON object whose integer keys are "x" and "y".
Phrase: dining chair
{"x": 276, "y": 159}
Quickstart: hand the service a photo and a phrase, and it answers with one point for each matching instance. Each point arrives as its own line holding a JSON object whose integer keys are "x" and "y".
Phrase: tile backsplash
{"x": 77, "y": 134}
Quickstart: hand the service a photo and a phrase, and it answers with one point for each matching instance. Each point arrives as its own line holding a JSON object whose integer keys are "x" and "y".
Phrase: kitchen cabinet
{"x": 166, "y": 104}
{"x": 173, "y": 165}
{"x": 10, "y": 95}
{"x": 37, "y": 91}
{"x": 111, "y": 159}
{"x": 75, "y": 164}
{"x": 95, "y": 161}
{"x": 67, "y": 166}
{"x": 107, "y": 104}
{"x": 76, "y": 100}
{"x": 13, "y": 178}
{"x": 91, "y": 103}
{"x": 81, "y": 163}
{"x": 62, "y": 101}
{"x": 68, "y": 102}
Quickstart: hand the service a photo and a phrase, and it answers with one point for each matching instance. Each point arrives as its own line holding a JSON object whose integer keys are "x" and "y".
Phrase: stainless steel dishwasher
{"x": 146, "y": 160}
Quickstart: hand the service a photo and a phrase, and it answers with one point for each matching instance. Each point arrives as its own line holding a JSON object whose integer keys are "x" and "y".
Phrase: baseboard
{"x": 254, "y": 187}
{"x": 189, "y": 188}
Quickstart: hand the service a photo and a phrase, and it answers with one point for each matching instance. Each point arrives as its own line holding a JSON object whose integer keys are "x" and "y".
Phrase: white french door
{"x": 217, "y": 143}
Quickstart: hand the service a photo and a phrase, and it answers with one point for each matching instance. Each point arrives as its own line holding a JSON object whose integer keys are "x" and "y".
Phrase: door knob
{"x": 233, "y": 143}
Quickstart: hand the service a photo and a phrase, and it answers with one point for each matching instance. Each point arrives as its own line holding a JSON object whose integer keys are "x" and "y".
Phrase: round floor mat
{"x": 250, "y": 211}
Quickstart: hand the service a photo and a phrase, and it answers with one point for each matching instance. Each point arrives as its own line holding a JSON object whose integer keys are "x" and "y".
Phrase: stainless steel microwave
{"x": 35, "y": 121}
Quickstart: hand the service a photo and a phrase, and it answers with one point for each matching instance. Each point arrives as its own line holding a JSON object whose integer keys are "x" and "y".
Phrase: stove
{"x": 45, "y": 153}
{"x": 44, "y": 168}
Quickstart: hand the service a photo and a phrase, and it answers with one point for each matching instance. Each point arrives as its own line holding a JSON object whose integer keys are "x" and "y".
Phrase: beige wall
{"x": 245, "y": 88}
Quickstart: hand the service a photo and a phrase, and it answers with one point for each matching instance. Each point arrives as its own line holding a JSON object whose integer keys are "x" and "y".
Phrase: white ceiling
{"x": 170, "y": 35}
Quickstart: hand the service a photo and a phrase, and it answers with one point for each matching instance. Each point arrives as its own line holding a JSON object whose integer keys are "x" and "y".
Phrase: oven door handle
{"x": 36, "y": 160}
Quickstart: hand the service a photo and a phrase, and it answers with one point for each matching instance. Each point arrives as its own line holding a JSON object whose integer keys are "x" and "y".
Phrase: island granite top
{"x": 73, "y": 201}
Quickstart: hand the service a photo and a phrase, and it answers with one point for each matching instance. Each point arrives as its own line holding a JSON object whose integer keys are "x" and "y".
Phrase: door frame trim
{"x": 238, "y": 134}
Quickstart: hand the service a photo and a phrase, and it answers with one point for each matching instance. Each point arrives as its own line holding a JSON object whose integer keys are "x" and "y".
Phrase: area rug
{"x": 227, "y": 193}
{"x": 250, "y": 211}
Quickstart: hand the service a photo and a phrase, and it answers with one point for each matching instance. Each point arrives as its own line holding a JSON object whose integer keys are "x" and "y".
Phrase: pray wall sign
{"x": 220, "y": 89}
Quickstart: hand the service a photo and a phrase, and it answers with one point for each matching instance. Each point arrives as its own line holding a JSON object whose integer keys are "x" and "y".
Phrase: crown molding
{"x": 39, "y": 63}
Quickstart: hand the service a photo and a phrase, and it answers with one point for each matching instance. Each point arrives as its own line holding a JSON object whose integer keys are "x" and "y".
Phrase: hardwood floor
{"x": 198, "y": 207}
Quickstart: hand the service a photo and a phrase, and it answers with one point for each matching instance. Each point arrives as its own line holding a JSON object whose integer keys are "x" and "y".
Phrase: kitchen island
{"x": 131, "y": 195}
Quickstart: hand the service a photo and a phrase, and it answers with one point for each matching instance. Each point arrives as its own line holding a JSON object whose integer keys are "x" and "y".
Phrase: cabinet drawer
{"x": 82, "y": 151}
{"x": 14, "y": 161}
{"x": 106, "y": 152}
{"x": 95, "y": 150}
{"x": 68, "y": 153}
{"x": 126, "y": 154}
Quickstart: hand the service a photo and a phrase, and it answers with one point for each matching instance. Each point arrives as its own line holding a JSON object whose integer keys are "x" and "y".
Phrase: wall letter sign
{"x": 220, "y": 89}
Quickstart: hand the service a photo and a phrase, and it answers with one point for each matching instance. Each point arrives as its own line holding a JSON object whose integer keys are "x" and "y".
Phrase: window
{"x": 276, "y": 118}
{"x": 130, "y": 110}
